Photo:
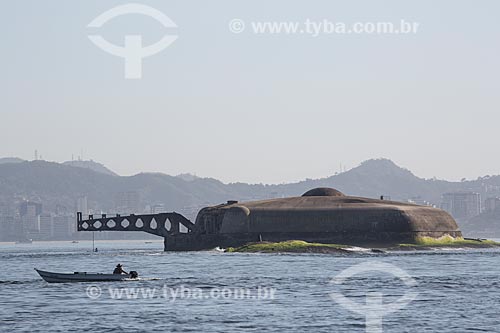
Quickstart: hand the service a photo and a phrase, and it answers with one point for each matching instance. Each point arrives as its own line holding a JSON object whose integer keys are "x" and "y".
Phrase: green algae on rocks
{"x": 293, "y": 246}
{"x": 449, "y": 241}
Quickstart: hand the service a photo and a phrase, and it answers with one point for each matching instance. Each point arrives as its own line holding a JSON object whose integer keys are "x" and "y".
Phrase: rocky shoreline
{"x": 298, "y": 246}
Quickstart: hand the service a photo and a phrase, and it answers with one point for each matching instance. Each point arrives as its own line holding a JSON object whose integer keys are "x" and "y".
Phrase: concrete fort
{"x": 321, "y": 215}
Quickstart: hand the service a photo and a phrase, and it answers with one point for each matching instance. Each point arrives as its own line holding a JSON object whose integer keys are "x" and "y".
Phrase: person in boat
{"x": 119, "y": 270}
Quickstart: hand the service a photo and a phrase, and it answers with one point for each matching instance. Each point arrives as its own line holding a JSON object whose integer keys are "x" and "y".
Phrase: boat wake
{"x": 144, "y": 279}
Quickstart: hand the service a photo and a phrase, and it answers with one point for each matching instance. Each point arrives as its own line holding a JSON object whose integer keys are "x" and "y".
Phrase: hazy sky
{"x": 255, "y": 108}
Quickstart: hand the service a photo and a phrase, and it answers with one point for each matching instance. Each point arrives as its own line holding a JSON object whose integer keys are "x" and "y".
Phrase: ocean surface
{"x": 212, "y": 291}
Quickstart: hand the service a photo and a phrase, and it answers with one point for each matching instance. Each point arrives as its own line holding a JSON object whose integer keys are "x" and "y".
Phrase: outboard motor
{"x": 134, "y": 275}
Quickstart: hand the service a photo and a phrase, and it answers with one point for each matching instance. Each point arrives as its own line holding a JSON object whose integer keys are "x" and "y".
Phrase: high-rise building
{"x": 127, "y": 202}
{"x": 63, "y": 227}
{"x": 29, "y": 212}
{"x": 462, "y": 205}
{"x": 492, "y": 204}
{"x": 19, "y": 232}
{"x": 82, "y": 205}
{"x": 7, "y": 228}
{"x": 28, "y": 207}
{"x": 4, "y": 209}
{"x": 45, "y": 223}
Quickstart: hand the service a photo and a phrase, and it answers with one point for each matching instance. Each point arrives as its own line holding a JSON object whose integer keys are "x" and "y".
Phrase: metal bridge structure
{"x": 162, "y": 224}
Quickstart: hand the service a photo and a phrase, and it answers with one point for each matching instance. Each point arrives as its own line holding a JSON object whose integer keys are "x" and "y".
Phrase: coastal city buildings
{"x": 462, "y": 205}
{"x": 24, "y": 218}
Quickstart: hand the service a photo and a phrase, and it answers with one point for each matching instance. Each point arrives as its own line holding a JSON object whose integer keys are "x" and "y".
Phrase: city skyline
{"x": 26, "y": 212}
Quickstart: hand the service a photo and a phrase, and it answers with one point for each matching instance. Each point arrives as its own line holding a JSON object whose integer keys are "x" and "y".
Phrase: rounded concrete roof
{"x": 323, "y": 192}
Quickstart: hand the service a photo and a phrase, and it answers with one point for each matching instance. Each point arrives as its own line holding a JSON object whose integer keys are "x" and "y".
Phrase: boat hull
{"x": 52, "y": 277}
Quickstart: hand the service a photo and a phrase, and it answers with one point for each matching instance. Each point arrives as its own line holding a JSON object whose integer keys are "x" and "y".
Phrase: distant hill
{"x": 4, "y": 160}
{"x": 58, "y": 186}
{"x": 377, "y": 177}
{"x": 98, "y": 167}
{"x": 187, "y": 177}
{"x": 90, "y": 164}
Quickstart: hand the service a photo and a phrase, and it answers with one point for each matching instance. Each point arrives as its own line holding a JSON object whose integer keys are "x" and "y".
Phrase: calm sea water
{"x": 458, "y": 290}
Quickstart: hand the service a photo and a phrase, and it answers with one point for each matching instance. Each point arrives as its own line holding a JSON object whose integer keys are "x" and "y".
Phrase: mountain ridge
{"x": 59, "y": 185}
{"x": 90, "y": 164}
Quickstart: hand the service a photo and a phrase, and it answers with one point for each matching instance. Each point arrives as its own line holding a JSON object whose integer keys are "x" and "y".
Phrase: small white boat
{"x": 51, "y": 277}
{"x": 25, "y": 241}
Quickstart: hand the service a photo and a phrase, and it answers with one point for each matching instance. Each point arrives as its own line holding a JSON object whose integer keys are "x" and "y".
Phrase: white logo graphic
{"x": 374, "y": 309}
{"x": 94, "y": 292}
{"x": 236, "y": 26}
{"x": 132, "y": 52}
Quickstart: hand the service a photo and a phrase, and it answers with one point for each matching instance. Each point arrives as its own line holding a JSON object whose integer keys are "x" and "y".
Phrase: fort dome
{"x": 321, "y": 215}
{"x": 323, "y": 192}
